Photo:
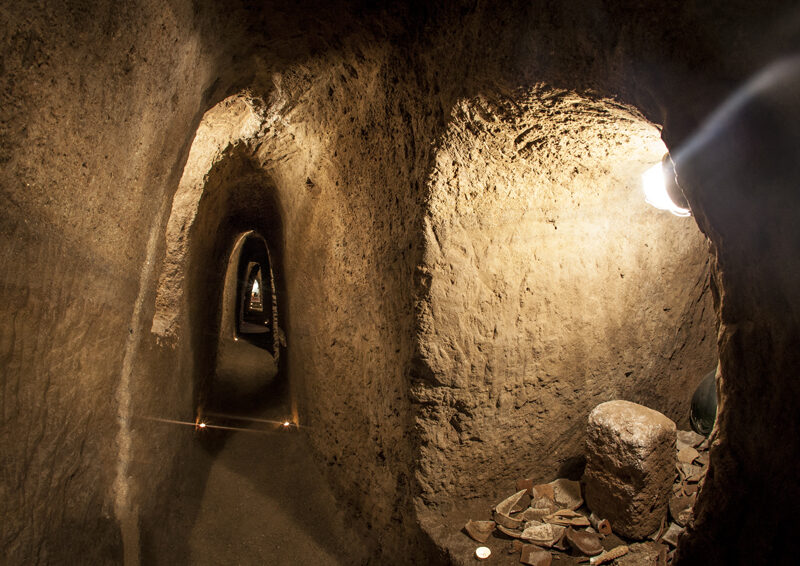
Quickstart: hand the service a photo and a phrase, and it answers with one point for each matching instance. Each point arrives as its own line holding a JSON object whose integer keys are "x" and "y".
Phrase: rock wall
{"x": 389, "y": 141}
{"x": 550, "y": 286}
{"x": 740, "y": 173}
{"x": 99, "y": 103}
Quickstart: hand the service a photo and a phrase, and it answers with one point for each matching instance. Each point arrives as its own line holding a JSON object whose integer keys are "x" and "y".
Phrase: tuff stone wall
{"x": 98, "y": 105}
{"x": 362, "y": 110}
{"x": 549, "y": 286}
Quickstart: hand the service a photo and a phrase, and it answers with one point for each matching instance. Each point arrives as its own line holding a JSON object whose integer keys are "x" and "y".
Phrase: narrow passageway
{"x": 267, "y": 502}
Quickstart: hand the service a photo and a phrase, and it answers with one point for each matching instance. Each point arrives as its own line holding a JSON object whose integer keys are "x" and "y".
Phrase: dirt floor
{"x": 266, "y": 502}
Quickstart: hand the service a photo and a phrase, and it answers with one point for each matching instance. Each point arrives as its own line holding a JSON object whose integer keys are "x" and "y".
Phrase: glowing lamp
{"x": 482, "y": 552}
{"x": 662, "y": 191}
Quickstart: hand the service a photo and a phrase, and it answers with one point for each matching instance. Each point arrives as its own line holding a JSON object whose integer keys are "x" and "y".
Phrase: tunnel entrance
{"x": 248, "y": 345}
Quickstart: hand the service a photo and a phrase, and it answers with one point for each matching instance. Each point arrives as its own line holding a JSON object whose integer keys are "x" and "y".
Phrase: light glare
{"x": 655, "y": 191}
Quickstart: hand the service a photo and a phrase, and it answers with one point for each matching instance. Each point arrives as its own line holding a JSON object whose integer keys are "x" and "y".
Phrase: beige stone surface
{"x": 630, "y": 466}
{"x": 454, "y": 186}
{"x": 549, "y": 287}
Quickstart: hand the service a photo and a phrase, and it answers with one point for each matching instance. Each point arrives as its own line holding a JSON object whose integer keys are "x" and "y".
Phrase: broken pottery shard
{"x": 687, "y": 455}
{"x": 502, "y": 513}
{"x": 531, "y": 514}
{"x": 567, "y": 493}
{"x": 672, "y": 534}
{"x": 680, "y": 509}
{"x": 702, "y": 459}
{"x": 513, "y": 533}
{"x": 612, "y": 554}
{"x": 691, "y": 473}
{"x": 544, "y": 503}
{"x": 542, "y": 533}
{"x": 525, "y": 484}
{"x": 523, "y": 503}
{"x": 480, "y": 530}
{"x": 567, "y": 518}
{"x": 689, "y": 438}
{"x": 630, "y": 466}
{"x": 583, "y": 542}
{"x": 535, "y": 556}
{"x": 602, "y": 526}
{"x": 544, "y": 490}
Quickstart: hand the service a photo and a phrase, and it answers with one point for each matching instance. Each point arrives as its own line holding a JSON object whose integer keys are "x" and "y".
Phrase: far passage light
{"x": 654, "y": 182}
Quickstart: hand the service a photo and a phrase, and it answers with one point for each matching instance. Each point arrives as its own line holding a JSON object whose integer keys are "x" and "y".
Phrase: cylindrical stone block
{"x": 630, "y": 466}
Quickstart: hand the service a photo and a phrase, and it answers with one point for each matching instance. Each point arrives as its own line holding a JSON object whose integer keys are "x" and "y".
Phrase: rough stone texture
{"x": 740, "y": 174}
{"x": 630, "y": 466}
{"x": 361, "y": 108}
{"x": 539, "y": 302}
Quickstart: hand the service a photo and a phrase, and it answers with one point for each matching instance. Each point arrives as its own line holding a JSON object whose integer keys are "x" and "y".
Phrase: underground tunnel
{"x": 352, "y": 283}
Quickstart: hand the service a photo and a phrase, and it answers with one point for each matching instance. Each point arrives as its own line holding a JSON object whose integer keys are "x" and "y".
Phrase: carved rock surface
{"x": 630, "y": 466}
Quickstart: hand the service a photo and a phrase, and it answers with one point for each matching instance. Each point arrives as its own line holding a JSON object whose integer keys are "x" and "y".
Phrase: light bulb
{"x": 655, "y": 191}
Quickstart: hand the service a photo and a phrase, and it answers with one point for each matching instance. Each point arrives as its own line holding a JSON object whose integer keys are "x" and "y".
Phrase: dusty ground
{"x": 266, "y": 502}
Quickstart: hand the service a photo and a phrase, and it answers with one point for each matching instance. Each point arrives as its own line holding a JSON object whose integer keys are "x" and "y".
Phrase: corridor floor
{"x": 266, "y": 503}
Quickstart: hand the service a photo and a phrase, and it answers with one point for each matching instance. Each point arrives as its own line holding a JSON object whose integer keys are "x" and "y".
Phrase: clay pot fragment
{"x": 513, "y": 533}
{"x": 672, "y": 534}
{"x": 543, "y": 491}
{"x": 480, "y": 530}
{"x": 680, "y": 509}
{"x": 535, "y": 556}
{"x": 502, "y": 513}
{"x": 690, "y": 438}
{"x": 691, "y": 473}
{"x": 531, "y": 514}
{"x": 525, "y": 484}
{"x": 687, "y": 455}
{"x": 567, "y": 493}
{"x": 544, "y": 534}
{"x": 586, "y": 543}
{"x": 567, "y": 518}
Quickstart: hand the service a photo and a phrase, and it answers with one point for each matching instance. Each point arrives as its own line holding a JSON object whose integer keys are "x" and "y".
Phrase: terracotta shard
{"x": 502, "y": 513}
{"x": 583, "y": 542}
{"x": 543, "y": 491}
{"x": 567, "y": 518}
{"x": 542, "y": 533}
{"x": 526, "y": 484}
{"x": 690, "y": 438}
{"x": 535, "y": 556}
{"x": 523, "y": 503}
{"x": 531, "y": 514}
{"x": 480, "y": 530}
{"x": 513, "y": 533}
{"x": 680, "y": 509}
{"x": 544, "y": 503}
{"x": 687, "y": 455}
{"x": 672, "y": 534}
{"x": 567, "y": 493}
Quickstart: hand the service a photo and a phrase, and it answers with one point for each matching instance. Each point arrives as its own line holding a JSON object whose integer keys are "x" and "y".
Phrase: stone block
{"x": 630, "y": 466}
